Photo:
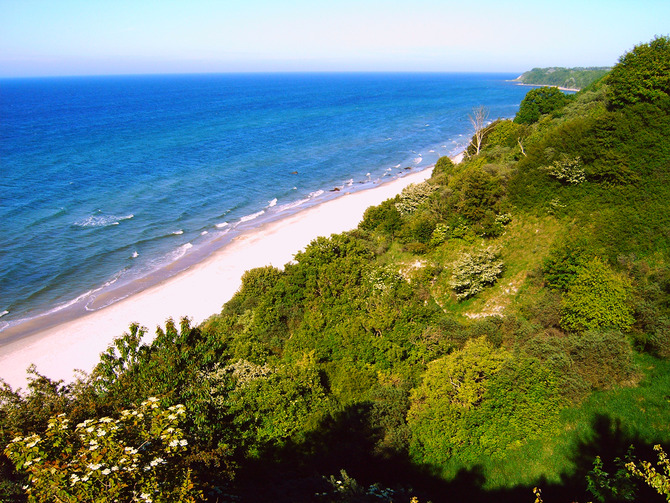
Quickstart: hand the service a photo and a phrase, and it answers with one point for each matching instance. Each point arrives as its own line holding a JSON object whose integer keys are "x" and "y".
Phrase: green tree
{"x": 480, "y": 402}
{"x": 597, "y": 297}
{"x": 540, "y": 101}
{"x": 642, "y": 75}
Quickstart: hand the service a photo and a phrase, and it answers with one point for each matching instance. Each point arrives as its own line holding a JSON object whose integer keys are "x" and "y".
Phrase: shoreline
{"x": 198, "y": 292}
{"x": 570, "y": 89}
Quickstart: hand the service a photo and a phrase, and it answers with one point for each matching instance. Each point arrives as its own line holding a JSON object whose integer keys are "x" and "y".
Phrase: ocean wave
{"x": 178, "y": 233}
{"x": 221, "y": 225}
{"x": 253, "y": 216}
{"x": 272, "y": 203}
{"x": 4, "y": 313}
{"x": 102, "y": 220}
{"x": 180, "y": 252}
{"x": 316, "y": 193}
{"x": 135, "y": 254}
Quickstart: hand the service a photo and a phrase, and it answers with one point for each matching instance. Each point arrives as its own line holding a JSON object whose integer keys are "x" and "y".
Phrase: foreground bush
{"x": 133, "y": 458}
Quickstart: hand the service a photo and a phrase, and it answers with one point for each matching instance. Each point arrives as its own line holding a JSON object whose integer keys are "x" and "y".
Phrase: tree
{"x": 642, "y": 75}
{"x": 540, "y": 101}
{"x": 478, "y": 119}
{"x": 597, "y": 297}
{"x": 478, "y": 402}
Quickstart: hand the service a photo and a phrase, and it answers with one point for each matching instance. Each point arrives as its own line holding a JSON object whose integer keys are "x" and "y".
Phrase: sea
{"x": 110, "y": 184}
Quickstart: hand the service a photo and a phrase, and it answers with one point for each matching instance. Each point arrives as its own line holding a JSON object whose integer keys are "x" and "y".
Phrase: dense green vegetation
{"x": 570, "y": 78}
{"x": 502, "y": 327}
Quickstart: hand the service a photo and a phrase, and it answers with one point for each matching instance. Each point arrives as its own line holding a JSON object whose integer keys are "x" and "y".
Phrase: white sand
{"x": 198, "y": 292}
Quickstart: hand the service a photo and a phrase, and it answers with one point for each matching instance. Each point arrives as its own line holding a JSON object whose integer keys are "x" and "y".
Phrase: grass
{"x": 605, "y": 424}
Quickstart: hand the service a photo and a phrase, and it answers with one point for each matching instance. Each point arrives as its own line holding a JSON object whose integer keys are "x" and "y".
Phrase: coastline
{"x": 197, "y": 292}
{"x": 569, "y": 89}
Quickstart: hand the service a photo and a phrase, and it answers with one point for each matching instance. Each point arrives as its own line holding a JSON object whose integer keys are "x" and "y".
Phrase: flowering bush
{"x": 132, "y": 458}
{"x": 568, "y": 169}
{"x": 474, "y": 271}
{"x": 413, "y": 196}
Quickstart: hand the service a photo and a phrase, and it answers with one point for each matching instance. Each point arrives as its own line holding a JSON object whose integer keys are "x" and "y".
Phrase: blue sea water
{"x": 105, "y": 180}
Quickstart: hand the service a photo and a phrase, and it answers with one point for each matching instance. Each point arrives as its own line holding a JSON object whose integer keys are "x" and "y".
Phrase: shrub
{"x": 568, "y": 169}
{"x": 479, "y": 402}
{"x": 475, "y": 271}
{"x": 384, "y": 218}
{"x": 540, "y": 101}
{"x": 642, "y": 75}
{"x": 136, "y": 457}
{"x": 597, "y": 297}
{"x": 602, "y": 358}
{"x": 413, "y": 196}
{"x": 440, "y": 234}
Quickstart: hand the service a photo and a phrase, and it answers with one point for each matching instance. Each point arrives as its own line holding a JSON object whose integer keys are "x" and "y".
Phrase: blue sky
{"x": 85, "y": 37}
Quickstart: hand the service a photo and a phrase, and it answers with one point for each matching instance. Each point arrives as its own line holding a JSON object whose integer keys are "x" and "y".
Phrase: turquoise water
{"x": 108, "y": 179}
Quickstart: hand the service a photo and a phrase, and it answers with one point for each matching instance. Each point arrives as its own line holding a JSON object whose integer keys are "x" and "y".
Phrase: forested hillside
{"x": 569, "y": 78}
{"x": 500, "y": 332}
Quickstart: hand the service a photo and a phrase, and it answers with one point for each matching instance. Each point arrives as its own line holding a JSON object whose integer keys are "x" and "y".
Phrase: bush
{"x": 597, "y": 297}
{"x": 385, "y": 218}
{"x": 642, "y": 75}
{"x": 479, "y": 402}
{"x": 540, "y": 101}
{"x": 137, "y": 457}
{"x": 475, "y": 271}
{"x": 603, "y": 358}
{"x": 413, "y": 196}
{"x": 568, "y": 169}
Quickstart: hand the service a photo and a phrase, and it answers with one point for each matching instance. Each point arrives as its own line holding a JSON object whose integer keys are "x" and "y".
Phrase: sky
{"x": 94, "y": 37}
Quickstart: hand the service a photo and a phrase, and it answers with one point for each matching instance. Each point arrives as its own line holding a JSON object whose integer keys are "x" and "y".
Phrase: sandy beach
{"x": 197, "y": 293}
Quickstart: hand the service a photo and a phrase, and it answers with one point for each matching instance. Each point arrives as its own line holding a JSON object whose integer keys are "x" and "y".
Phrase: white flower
{"x": 157, "y": 461}
{"x": 94, "y": 466}
{"x": 106, "y": 420}
{"x": 174, "y": 443}
{"x": 106, "y": 471}
{"x": 183, "y": 442}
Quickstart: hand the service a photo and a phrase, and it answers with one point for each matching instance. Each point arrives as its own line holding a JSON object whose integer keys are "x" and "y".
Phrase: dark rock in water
{"x": 336, "y": 189}
{"x": 408, "y": 167}
{"x": 294, "y": 172}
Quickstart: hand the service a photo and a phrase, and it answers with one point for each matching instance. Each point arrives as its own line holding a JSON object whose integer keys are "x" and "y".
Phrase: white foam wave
{"x": 180, "y": 252}
{"x": 316, "y": 193}
{"x": 417, "y": 160}
{"x": 272, "y": 203}
{"x": 397, "y": 166}
{"x": 178, "y": 233}
{"x": 4, "y": 313}
{"x": 253, "y": 216}
{"x": 135, "y": 254}
{"x": 221, "y": 225}
{"x": 102, "y": 220}
{"x": 203, "y": 233}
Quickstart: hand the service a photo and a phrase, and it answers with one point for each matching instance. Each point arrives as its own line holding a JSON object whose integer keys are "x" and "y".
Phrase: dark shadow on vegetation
{"x": 298, "y": 472}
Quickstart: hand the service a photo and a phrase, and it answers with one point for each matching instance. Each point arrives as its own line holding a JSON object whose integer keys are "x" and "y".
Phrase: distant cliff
{"x": 568, "y": 78}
